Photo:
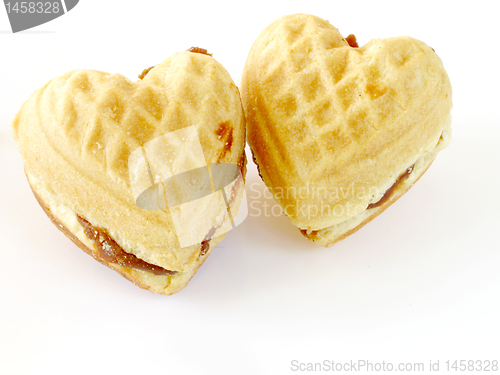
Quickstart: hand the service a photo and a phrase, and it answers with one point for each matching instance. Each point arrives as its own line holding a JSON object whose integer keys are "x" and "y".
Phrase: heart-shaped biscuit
{"x": 339, "y": 132}
{"x": 95, "y": 144}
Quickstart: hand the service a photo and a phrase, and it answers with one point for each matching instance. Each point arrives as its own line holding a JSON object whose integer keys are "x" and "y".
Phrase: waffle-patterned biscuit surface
{"x": 77, "y": 133}
{"x": 332, "y": 127}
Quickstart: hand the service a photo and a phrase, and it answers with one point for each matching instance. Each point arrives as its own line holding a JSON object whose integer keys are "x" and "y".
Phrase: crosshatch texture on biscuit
{"x": 325, "y": 114}
{"x": 77, "y": 132}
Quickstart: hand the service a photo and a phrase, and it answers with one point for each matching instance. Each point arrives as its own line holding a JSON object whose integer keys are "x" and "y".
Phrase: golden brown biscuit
{"x": 340, "y": 132}
{"x": 94, "y": 144}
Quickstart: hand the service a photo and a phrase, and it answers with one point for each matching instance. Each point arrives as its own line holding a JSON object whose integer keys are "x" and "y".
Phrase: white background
{"x": 419, "y": 283}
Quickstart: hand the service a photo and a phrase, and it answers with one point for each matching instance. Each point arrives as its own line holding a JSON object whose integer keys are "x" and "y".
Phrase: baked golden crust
{"x": 160, "y": 284}
{"x": 332, "y": 127}
{"x": 331, "y": 235}
{"x": 76, "y": 135}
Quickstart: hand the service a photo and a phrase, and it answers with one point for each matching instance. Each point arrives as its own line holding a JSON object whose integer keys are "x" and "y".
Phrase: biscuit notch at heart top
{"x": 89, "y": 139}
{"x": 338, "y": 132}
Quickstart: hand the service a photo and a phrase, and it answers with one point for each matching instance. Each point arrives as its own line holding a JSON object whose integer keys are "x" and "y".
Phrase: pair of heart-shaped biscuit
{"x": 147, "y": 177}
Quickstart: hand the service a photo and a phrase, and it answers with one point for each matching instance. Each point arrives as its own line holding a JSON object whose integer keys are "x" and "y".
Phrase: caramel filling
{"x": 145, "y": 72}
{"x": 205, "y": 244}
{"x": 379, "y": 203}
{"x": 389, "y": 191}
{"x": 199, "y": 50}
{"x": 192, "y": 49}
{"x": 109, "y": 251}
{"x": 225, "y": 134}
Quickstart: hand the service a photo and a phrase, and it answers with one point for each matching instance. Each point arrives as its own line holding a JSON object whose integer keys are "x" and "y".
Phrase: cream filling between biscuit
{"x": 419, "y": 167}
{"x": 69, "y": 219}
{"x": 155, "y": 283}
